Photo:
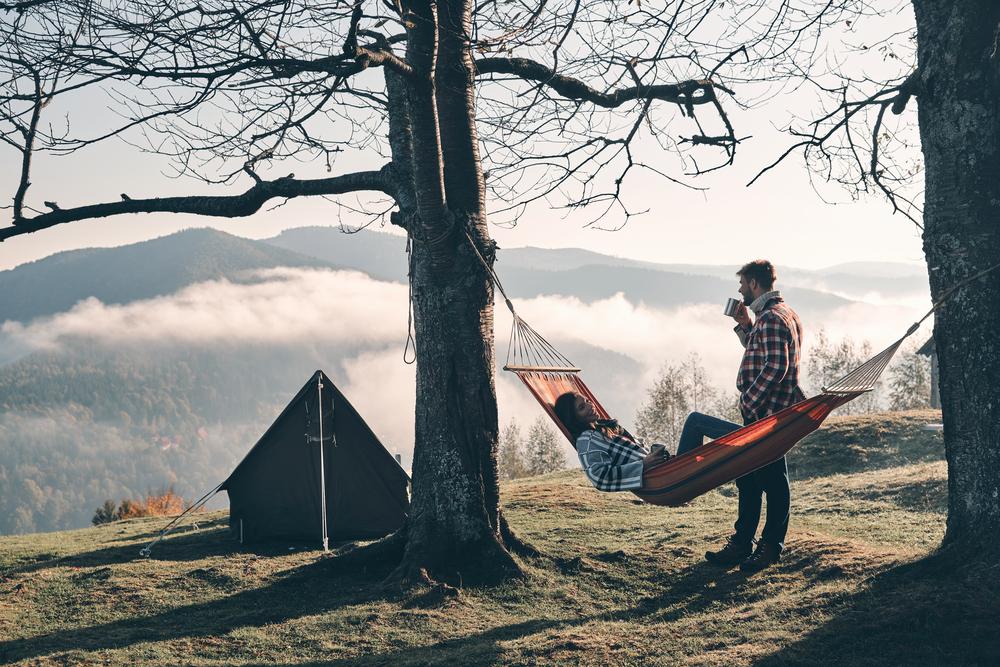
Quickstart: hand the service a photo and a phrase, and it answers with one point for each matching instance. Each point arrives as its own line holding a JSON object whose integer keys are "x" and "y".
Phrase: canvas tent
{"x": 277, "y": 492}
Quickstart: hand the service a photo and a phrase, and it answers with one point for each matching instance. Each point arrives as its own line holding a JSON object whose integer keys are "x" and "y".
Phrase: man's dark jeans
{"x": 772, "y": 479}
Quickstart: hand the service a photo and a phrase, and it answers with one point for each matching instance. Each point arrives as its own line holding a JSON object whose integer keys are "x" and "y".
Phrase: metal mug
{"x": 732, "y": 307}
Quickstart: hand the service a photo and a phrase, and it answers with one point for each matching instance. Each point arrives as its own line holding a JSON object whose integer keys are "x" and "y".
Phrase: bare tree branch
{"x": 225, "y": 206}
{"x": 686, "y": 92}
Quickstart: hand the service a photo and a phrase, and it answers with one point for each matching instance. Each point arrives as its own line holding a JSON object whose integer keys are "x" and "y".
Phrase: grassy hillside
{"x": 868, "y": 442}
{"x": 623, "y": 583}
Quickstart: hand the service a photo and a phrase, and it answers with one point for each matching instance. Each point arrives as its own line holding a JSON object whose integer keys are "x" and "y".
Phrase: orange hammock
{"x": 682, "y": 478}
{"x": 548, "y": 375}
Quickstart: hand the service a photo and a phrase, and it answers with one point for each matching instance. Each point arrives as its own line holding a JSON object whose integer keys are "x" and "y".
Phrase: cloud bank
{"x": 275, "y": 306}
{"x": 364, "y": 320}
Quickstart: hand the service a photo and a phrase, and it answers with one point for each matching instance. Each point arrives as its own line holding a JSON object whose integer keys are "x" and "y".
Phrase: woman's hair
{"x": 565, "y": 409}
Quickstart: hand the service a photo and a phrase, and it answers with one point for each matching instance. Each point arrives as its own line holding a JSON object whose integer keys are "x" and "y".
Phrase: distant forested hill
{"x": 97, "y": 423}
{"x": 83, "y": 427}
{"x": 531, "y": 272}
{"x": 137, "y": 271}
{"x": 164, "y": 265}
{"x": 382, "y": 256}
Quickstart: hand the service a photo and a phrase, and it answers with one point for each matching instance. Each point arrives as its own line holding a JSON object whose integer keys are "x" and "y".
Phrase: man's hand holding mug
{"x": 738, "y": 311}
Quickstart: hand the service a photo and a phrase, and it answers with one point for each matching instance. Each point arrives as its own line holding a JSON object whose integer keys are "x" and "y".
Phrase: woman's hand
{"x": 657, "y": 454}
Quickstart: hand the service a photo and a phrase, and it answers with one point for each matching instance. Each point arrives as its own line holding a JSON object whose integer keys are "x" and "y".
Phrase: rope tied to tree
{"x": 864, "y": 377}
{"x": 435, "y": 245}
{"x": 411, "y": 343}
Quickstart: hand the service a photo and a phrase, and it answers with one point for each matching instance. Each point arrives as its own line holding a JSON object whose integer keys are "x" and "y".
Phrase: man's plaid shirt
{"x": 612, "y": 462}
{"x": 769, "y": 374}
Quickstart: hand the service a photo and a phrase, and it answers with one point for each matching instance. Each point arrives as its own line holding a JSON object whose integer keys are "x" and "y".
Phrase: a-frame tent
{"x": 277, "y": 492}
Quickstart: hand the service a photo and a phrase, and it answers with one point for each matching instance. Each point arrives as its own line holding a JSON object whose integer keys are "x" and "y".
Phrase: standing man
{"x": 768, "y": 382}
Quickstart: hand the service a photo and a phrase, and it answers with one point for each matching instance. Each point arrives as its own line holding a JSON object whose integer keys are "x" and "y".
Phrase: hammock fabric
{"x": 548, "y": 374}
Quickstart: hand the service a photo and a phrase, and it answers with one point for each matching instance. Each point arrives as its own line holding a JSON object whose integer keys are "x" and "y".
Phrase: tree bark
{"x": 959, "y": 117}
{"x": 454, "y": 525}
{"x": 455, "y": 531}
{"x": 456, "y": 100}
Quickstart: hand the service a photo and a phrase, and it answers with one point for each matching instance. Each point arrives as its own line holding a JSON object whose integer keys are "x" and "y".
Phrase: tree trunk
{"x": 455, "y": 530}
{"x": 454, "y": 524}
{"x": 959, "y": 117}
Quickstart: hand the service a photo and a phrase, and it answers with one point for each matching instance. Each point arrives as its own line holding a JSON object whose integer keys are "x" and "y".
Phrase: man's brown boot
{"x": 733, "y": 553}
{"x": 765, "y": 555}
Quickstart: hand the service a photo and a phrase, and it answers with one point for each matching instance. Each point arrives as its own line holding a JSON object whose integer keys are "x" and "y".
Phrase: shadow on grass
{"x": 927, "y": 612}
{"x": 309, "y": 589}
{"x": 925, "y": 496}
{"x": 479, "y": 649}
{"x": 315, "y": 588}
{"x": 940, "y": 610}
{"x": 212, "y": 539}
{"x": 190, "y": 546}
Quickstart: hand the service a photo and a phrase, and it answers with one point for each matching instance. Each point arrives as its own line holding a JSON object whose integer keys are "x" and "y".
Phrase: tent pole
{"x": 322, "y": 465}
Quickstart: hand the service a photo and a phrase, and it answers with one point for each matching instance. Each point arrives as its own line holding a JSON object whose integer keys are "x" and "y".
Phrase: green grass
{"x": 868, "y": 442}
{"x": 623, "y": 584}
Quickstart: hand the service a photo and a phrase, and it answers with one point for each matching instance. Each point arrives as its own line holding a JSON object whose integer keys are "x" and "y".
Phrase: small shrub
{"x": 106, "y": 513}
{"x": 161, "y": 503}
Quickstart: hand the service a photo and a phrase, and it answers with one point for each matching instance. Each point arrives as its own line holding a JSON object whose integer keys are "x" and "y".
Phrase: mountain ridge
{"x": 163, "y": 265}
{"x": 135, "y": 271}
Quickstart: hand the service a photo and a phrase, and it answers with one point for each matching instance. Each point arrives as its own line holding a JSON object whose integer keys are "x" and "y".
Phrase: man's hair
{"x": 760, "y": 270}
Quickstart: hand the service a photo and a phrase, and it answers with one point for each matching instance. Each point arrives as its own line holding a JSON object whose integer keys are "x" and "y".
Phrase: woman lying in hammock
{"x": 612, "y": 459}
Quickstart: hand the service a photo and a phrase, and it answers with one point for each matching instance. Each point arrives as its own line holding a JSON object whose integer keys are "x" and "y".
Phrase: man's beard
{"x": 747, "y": 300}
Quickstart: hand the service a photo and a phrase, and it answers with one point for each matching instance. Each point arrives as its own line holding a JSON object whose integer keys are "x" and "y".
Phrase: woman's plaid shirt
{"x": 612, "y": 462}
{"x": 769, "y": 374}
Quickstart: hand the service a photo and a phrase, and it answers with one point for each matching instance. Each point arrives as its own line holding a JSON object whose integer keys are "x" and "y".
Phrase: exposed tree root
{"x": 380, "y": 553}
{"x": 488, "y": 562}
{"x": 484, "y": 563}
